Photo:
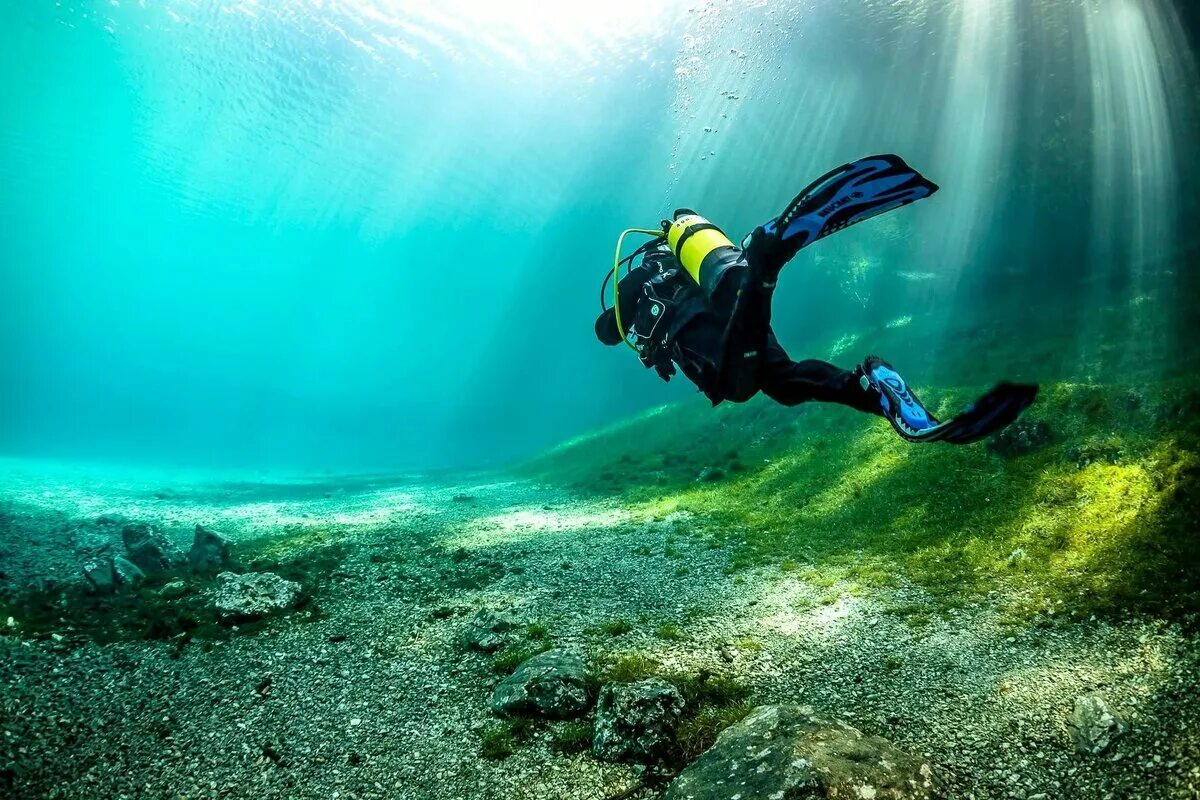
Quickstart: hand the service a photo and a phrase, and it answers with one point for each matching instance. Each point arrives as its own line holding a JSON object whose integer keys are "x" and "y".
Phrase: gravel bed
{"x": 374, "y": 696}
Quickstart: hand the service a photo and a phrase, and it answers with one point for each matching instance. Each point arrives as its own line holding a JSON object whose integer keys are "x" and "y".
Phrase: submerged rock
{"x": 786, "y": 752}
{"x": 174, "y": 590}
{"x": 636, "y": 721}
{"x": 1094, "y": 726}
{"x": 100, "y": 574}
{"x": 552, "y": 684}
{"x": 149, "y": 549}
{"x": 106, "y": 574}
{"x": 253, "y": 595}
{"x": 489, "y": 631}
{"x": 210, "y": 551}
{"x": 128, "y": 573}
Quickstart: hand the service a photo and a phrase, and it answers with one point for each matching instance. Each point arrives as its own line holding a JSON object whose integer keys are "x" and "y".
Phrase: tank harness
{"x": 672, "y": 297}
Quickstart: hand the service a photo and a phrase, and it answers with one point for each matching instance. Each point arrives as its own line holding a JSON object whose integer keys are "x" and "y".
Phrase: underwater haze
{"x": 354, "y": 235}
{"x": 316, "y": 481}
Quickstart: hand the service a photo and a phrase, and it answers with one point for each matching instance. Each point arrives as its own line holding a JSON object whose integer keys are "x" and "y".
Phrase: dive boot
{"x": 992, "y": 412}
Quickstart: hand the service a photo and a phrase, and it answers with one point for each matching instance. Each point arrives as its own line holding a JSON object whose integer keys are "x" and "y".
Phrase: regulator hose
{"x": 615, "y": 278}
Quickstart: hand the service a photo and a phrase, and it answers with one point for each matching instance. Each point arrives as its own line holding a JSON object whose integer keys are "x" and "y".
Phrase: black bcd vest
{"x": 668, "y": 302}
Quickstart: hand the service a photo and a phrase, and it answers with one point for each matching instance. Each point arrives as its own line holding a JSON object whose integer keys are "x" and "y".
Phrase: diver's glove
{"x": 990, "y": 413}
{"x": 665, "y": 368}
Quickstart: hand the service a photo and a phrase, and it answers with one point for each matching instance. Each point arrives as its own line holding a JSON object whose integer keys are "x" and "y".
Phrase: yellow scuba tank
{"x": 701, "y": 247}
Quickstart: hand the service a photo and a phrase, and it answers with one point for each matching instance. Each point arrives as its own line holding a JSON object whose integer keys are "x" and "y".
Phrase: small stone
{"x": 1094, "y": 726}
{"x": 552, "y": 684}
{"x": 488, "y": 631}
{"x": 253, "y": 595}
{"x": 173, "y": 590}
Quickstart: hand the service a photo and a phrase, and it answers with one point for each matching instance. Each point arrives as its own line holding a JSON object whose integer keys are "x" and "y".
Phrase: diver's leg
{"x": 747, "y": 312}
{"x": 791, "y": 383}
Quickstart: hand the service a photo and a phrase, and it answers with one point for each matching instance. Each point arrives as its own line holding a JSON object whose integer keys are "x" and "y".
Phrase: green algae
{"x": 698, "y": 732}
{"x": 616, "y": 627}
{"x": 624, "y": 668}
{"x": 572, "y": 737}
{"x": 1091, "y": 512}
{"x": 507, "y": 660}
{"x": 670, "y": 632}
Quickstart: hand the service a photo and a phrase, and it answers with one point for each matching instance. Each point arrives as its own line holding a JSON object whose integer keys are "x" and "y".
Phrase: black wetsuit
{"x": 714, "y": 354}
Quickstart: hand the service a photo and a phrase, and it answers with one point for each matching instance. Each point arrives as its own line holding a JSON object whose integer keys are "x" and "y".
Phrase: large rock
{"x": 786, "y": 752}
{"x": 149, "y": 549}
{"x": 488, "y": 631}
{"x": 1023, "y": 436}
{"x": 552, "y": 684}
{"x": 1095, "y": 726}
{"x": 210, "y": 551}
{"x": 106, "y": 574}
{"x": 636, "y": 721}
{"x": 128, "y": 573}
{"x": 100, "y": 574}
{"x": 253, "y": 595}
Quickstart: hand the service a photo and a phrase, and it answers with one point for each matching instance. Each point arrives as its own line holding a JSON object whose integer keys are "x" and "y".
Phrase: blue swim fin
{"x": 841, "y": 197}
{"x": 992, "y": 412}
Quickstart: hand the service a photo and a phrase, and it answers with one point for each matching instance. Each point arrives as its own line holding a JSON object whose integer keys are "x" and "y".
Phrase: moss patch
{"x": 699, "y": 731}
{"x": 507, "y": 660}
{"x": 1093, "y": 512}
{"x": 572, "y": 737}
{"x": 501, "y": 739}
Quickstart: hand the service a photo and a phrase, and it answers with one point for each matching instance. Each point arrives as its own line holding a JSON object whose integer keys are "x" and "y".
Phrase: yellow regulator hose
{"x": 616, "y": 278}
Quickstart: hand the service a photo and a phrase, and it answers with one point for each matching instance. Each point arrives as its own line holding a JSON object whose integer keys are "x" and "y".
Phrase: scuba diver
{"x": 698, "y": 301}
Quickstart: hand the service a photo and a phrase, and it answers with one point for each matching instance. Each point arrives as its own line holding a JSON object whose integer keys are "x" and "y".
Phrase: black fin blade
{"x": 850, "y": 194}
{"x": 991, "y": 413}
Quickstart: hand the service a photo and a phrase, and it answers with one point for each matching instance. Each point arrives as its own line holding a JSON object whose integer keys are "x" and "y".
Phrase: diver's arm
{"x": 628, "y": 290}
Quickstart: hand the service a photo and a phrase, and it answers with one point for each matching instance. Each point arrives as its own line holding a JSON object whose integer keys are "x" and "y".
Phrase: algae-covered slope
{"x": 1088, "y": 504}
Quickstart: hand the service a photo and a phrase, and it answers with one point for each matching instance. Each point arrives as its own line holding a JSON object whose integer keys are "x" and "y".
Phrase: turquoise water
{"x": 353, "y": 235}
